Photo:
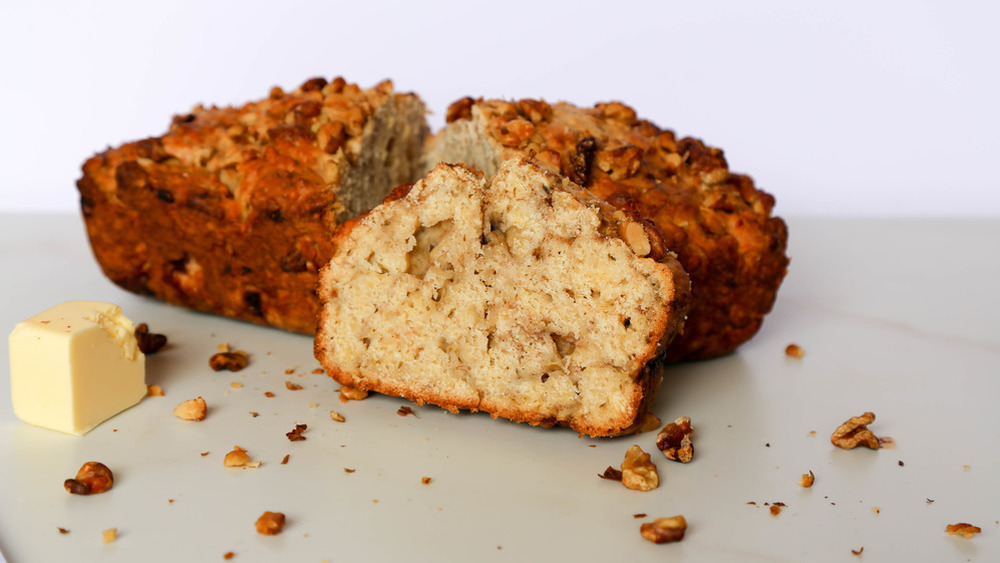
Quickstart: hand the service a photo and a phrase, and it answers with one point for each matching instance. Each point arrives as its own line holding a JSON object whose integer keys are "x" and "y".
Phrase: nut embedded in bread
{"x": 717, "y": 222}
{"x": 230, "y": 212}
{"x": 522, "y": 296}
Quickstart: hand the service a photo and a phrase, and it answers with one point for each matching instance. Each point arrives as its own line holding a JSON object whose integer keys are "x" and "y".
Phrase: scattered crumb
{"x": 858, "y": 551}
{"x": 812, "y": 433}
{"x": 592, "y": 446}
{"x": 296, "y": 434}
{"x": 236, "y": 458}
{"x": 963, "y": 529}
{"x": 611, "y": 474}
{"x": 348, "y": 393}
{"x": 752, "y": 502}
{"x": 254, "y": 414}
{"x": 639, "y": 515}
{"x": 876, "y": 510}
{"x": 284, "y": 460}
{"x": 807, "y": 479}
{"x": 154, "y": 391}
{"x": 403, "y": 411}
{"x": 203, "y": 454}
{"x": 775, "y": 510}
{"x": 318, "y": 370}
{"x": 313, "y": 405}
{"x": 63, "y": 531}
{"x": 966, "y": 467}
{"x": 349, "y": 470}
{"x": 337, "y": 417}
{"x": 268, "y": 394}
{"x": 425, "y": 480}
{"x": 929, "y": 501}
{"x": 292, "y": 386}
{"x": 228, "y": 555}
{"x": 795, "y": 351}
{"x": 235, "y": 385}
{"x": 191, "y": 409}
{"x": 170, "y": 501}
{"x": 253, "y": 464}
{"x": 901, "y": 463}
{"x": 767, "y": 445}
{"x": 110, "y": 535}
{"x": 226, "y": 359}
{"x": 289, "y": 371}
{"x": 270, "y": 523}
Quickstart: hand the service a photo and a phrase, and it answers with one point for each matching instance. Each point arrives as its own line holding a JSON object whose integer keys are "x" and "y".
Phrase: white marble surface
{"x": 899, "y": 317}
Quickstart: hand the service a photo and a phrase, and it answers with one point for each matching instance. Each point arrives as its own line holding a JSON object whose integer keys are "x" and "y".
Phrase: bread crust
{"x": 645, "y": 375}
{"x": 230, "y": 212}
{"x": 719, "y": 225}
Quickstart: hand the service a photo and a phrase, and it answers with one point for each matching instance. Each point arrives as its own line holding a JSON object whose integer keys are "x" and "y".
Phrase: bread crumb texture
{"x": 514, "y": 295}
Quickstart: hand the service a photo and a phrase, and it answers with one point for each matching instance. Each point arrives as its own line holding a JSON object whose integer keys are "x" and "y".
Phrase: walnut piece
{"x": 292, "y": 386}
{"x": 855, "y": 433}
{"x": 675, "y": 440}
{"x": 963, "y": 529}
{"x": 337, "y": 417}
{"x": 638, "y": 473}
{"x": 404, "y": 411}
{"x": 348, "y": 393}
{"x": 233, "y": 360}
{"x": 425, "y": 480}
{"x": 664, "y": 530}
{"x": 794, "y": 351}
{"x": 191, "y": 409}
{"x": 148, "y": 342}
{"x": 270, "y": 523}
{"x": 296, "y": 434}
{"x": 611, "y": 474}
{"x": 92, "y": 478}
{"x": 807, "y": 479}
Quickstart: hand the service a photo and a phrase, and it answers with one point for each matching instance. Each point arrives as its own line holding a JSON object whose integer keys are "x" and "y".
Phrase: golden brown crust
{"x": 230, "y": 211}
{"x": 718, "y": 223}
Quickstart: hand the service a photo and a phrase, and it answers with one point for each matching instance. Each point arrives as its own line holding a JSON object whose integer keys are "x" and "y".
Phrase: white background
{"x": 837, "y": 108}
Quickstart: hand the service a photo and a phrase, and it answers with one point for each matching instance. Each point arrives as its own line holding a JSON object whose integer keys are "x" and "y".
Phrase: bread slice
{"x": 717, "y": 222}
{"x": 521, "y": 296}
{"x": 231, "y": 211}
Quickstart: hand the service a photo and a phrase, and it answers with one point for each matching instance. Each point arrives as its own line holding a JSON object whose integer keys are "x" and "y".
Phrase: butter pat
{"x": 75, "y": 366}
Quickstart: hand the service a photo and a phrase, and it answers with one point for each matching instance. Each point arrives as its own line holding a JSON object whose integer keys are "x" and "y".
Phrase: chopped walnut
{"x": 348, "y": 393}
{"x": 794, "y": 351}
{"x": 611, "y": 474}
{"x": 296, "y": 434}
{"x": 675, "y": 440}
{"x": 337, "y": 417}
{"x": 191, "y": 409}
{"x": 148, "y": 342}
{"x": 232, "y": 360}
{"x": 807, "y": 479}
{"x": 270, "y": 523}
{"x": 963, "y": 529}
{"x": 92, "y": 478}
{"x": 109, "y": 535}
{"x": 154, "y": 391}
{"x": 236, "y": 458}
{"x": 855, "y": 432}
{"x": 664, "y": 530}
{"x": 292, "y": 386}
{"x": 638, "y": 473}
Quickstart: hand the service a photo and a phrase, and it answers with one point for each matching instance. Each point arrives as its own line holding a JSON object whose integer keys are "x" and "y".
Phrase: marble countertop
{"x": 898, "y": 317}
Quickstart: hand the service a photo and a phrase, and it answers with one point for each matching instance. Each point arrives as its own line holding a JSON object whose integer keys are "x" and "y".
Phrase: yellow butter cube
{"x": 75, "y": 366}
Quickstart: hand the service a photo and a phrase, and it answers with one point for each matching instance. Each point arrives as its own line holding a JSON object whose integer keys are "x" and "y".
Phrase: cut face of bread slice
{"x": 719, "y": 225}
{"x": 520, "y": 295}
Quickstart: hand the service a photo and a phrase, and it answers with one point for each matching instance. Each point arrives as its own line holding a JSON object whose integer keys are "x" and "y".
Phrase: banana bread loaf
{"x": 231, "y": 210}
{"x": 719, "y": 225}
{"x": 522, "y": 296}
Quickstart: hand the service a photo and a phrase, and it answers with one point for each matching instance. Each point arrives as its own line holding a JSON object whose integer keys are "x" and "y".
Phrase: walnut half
{"x": 675, "y": 440}
{"x": 638, "y": 473}
{"x": 855, "y": 432}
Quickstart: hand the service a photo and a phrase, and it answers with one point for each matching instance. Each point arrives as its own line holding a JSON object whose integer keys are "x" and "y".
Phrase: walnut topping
{"x": 617, "y": 110}
{"x": 461, "y": 109}
{"x": 807, "y": 479}
{"x": 296, "y": 434}
{"x": 638, "y": 473}
{"x": 611, "y": 474}
{"x": 582, "y": 159}
{"x": 664, "y": 530}
{"x": 233, "y": 360}
{"x": 148, "y": 342}
{"x": 337, "y": 417}
{"x": 270, "y": 523}
{"x": 348, "y": 393}
{"x": 154, "y": 391}
{"x": 515, "y": 132}
{"x": 855, "y": 432}
{"x": 634, "y": 235}
{"x": 620, "y": 163}
{"x": 236, "y": 458}
{"x": 191, "y": 409}
{"x": 963, "y": 529}
{"x": 795, "y": 351}
{"x": 535, "y": 110}
{"x": 675, "y": 440}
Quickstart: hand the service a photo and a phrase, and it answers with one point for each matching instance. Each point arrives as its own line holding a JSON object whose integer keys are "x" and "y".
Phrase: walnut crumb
{"x": 289, "y": 371}
{"x": 203, "y": 454}
{"x": 63, "y": 531}
{"x": 807, "y": 479}
{"x": 270, "y": 523}
{"x": 235, "y": 385}
{"x": 337, "y": 417}
{"x": 425, "y": 480}
{"x": 317, "y": 371}
{"x": 292, "y": 386}
{"x": 110, "y": 535}
{"x": 858, "y": 551}
{"x": 296, "y": 434}
{"x": 403, "y": 411}
{"x": 664, "y": 530}
{"x": 191, "y": 409}
{"x": 234, "y": 360}
{"x": 154, "y": 391}
{"x": 236, "y": 458}
{"x": 963, "y": 529}
{"x": 348, "y": 393}
{"x": 611, "y": 474}
{"x": 638, "y": 472}
{"x": 675, "y": 440}
{"x": 876, "y": 510}
{"x": 254, "y": 414}
{"x": 775, "y": 509}
{"x": 228, "y": 555}
{"x": 639, "y": 515}
{"x": 284, "y": 460}
{"x": 268, "y": 394}
{"x": 855, "y": 433}
{"x": 349, "y": 470}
